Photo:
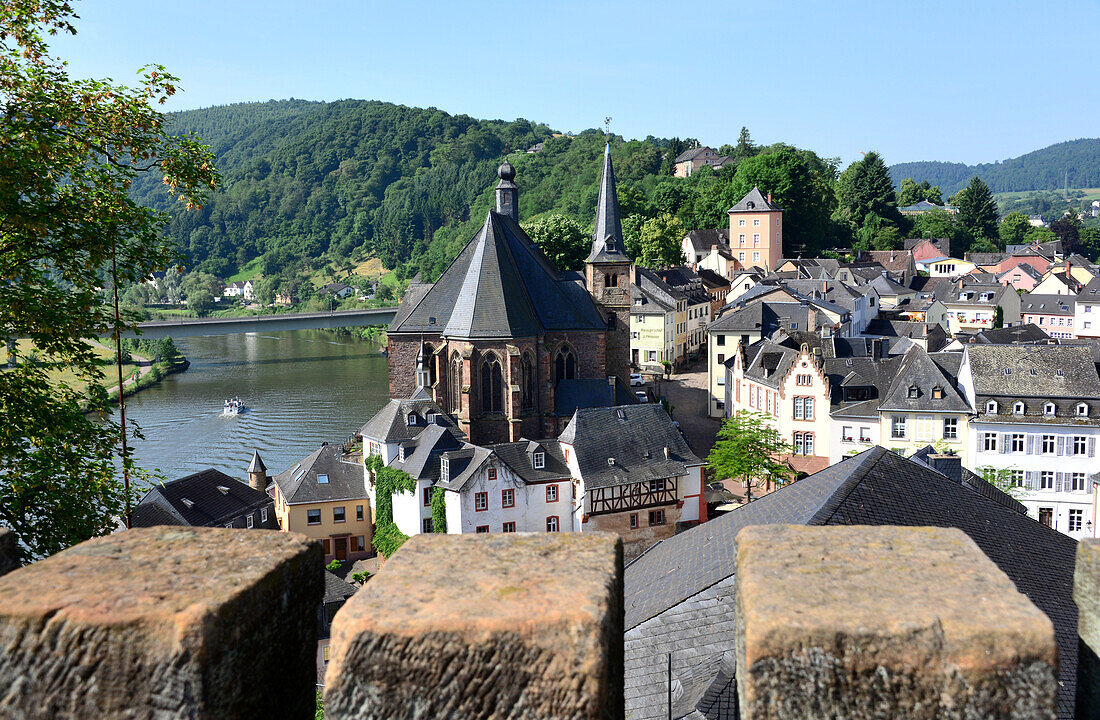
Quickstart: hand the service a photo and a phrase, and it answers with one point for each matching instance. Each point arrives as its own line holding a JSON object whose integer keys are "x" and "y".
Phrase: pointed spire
{"x": 607, "y": 239}
{"x": 257, "y": 465}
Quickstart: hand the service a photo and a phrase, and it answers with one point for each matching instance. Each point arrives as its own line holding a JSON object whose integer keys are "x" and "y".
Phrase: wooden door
{"x": 341, "y": 546}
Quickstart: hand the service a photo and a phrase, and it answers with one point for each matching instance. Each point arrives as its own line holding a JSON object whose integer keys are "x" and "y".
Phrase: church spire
{"x": 607, "y": 239}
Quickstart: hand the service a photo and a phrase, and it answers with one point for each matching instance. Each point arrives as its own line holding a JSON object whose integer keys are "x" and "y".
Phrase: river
{"x": 301, "y": 388}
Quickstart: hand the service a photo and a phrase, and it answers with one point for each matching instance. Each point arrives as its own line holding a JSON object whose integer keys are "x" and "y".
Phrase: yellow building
{"x": 756, "y": 231}
{"x": 324, "y": 497}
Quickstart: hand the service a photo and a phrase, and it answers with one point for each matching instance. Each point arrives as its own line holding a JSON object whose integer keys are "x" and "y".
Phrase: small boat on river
{"x": 233, "y": 406}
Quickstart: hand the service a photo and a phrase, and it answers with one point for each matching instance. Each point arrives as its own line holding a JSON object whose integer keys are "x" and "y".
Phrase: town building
{"x": 717, "y": 287}
{"x": 970, "y": 305}
{"x": 337, "y": 592}
{"x": 1086, "y": 311}
{"x": 690, "y": 161}
{"x": 325, "y": 498}
{"x": 756, "y": 231}
{"x": 900, "y": 265}
{"x": 696, "y": 313}
{"x": 336, "y": 290}
{"x": 243, "y": 289}
{"x": 945, "y": 266}
{"x": 1036, "y": 427}
{"x": 503, "y": 332}
{"x": 1021, "y": 278}
{"x": 1058, "y": 282}
{"x": 653, "y": 310}
{"x": 401, "y": 420}
{"x": 698, "y": 244}
{"x": 926, "y": 248}
{"x": 1055, "y": 314}
{"x": 209, "y": 498}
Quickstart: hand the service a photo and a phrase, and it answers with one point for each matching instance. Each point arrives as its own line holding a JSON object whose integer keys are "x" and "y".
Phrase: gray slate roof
{"x": 210, "y": 506}
{"x": 422, "y": 454}
{"x": 1042, "y": 371}
{"x": 569, "y": 395}
{"x": 391, "y": 423}
{"x": 500, "y": 286}
{"x": 519, "y": 456}
{"x": 692, "y": 154}
{"x": 635, "y": 436}
{"x": 607, "y": 236}
{"x": 702, "y": 240}
{"x": 926, "y": 372}
{"x": 346, "y": 478}
{"x": 754, "y": 201}
{"x": 1048, "y": 304}
{"x": 679, "y": 594}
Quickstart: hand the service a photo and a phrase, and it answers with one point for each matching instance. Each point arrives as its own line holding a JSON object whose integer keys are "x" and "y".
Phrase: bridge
{"x": 195, "y": 327}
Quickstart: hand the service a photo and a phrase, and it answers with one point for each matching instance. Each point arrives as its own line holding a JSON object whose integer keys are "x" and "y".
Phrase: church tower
{"x": 607, "y": 274}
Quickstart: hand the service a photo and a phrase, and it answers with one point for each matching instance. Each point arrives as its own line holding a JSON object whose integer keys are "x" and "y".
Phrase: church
{"x": 508, "y": 344}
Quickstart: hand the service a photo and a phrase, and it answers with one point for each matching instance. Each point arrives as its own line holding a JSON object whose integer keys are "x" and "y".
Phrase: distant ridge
{"x": 1046, "y": 169}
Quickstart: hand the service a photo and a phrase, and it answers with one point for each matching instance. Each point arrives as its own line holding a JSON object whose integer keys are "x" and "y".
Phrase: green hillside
{"x": 1076, "y": 162}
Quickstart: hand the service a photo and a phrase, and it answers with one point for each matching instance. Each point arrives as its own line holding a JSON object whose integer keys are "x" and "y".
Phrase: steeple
{"x": 607, "y": 239}
{"x": 257, "y": 473}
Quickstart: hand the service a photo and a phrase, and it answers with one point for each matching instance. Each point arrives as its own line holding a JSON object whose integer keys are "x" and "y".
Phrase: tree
{"x": 748, "y": 449}
{"x": 1001, "y": 478}
{"x": 977, "y": 209}
{"x": 1090, "y": 242}
{"x": 70, "y": 150}
{"x": 1013, "y": 228}
{"x": 561, "y": 239}
{"x": 661, "y": 241}
{"x": 865, "y": 188}
{"x": 745, "y": 147}
{"x": 1067, "y": 228}
{"x": 912, "y": 193}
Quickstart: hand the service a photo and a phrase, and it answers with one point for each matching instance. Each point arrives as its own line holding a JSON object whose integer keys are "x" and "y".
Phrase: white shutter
{"x": 1031, "y": 479}
{"x": 1060, "y": 446}
{"x": 1092, "y": 446}
{"x": 1006, "y": 442}
{"x": 1029, "y": 444}
{"x": 1059, "y": 481}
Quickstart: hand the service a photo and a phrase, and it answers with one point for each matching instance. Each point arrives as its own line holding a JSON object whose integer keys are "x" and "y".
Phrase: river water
{"x": 301, "y": 388}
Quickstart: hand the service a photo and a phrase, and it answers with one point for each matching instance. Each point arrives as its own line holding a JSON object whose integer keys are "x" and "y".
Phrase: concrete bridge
{"x": 194, "y": 327}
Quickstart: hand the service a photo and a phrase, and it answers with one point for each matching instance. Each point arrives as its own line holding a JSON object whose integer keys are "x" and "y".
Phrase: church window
{"x": 528, "y": 379}
{"x": 429, "y": 364}
{"x": 565, "y": 364}
{"x": 611, "y": 280}
{"x": 455, "y": 383}
{"x": 492, "y": 385}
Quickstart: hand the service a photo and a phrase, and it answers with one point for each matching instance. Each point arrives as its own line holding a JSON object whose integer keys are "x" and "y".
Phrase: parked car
{"x": 641, "y": 395}
{"x": 636, "y": 379}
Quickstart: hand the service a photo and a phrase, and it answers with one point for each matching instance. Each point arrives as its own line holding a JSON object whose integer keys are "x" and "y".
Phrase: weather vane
{"x": 607, "y": 127}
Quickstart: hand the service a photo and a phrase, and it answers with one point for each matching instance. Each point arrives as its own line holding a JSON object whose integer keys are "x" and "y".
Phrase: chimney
{"x": 257, "y": 473}
{"x": 507, "y": 192}
{"x": 949, "y": 465}
{"x": 666, "y": 452}
{"x": 769, "y": 198}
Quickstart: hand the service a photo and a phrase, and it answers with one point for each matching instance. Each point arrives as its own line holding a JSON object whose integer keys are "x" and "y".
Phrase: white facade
{"x": 1050, "y": 463}
{"x": 1086, "y": 316}
{"x": 851, "y": 436}
{"x": 485, "y": 505}
{"x": 410, "y": 510}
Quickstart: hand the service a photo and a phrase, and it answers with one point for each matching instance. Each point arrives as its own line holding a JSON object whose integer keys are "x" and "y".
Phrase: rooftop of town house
{"x": 704, "y": 240}
{"x": 1048, "y": 304}
{"x": 403, "y": 419}
{"x": 208, "y": 498}
{"x": 754, "y": 202}
{"x": 419, "y": 457}
{"x": 324, "y": 475}
{"x": 926, "y": 382}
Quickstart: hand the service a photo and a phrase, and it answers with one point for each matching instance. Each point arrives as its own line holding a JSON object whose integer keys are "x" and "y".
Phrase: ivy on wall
{"x": 439, "y": 510}
{"x": 387, "y": 537}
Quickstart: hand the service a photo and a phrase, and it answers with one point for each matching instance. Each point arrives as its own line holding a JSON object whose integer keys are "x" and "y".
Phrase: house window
{"x": 656, "y": 517}
{"x": 426, "y": 526}
{"x": 1079, "y": 444}
{"x": 1082, "y": 410}
{"x": 865, "y": 435}
{"x": 444, "y": 469}
{"x": 375, "y": 448}
{"x": 455, "y": 383}
{"x": 1017, "y": 442}
{"x": 741, "y": 223}
{"x": 540, "y": 460}
{"x": 756, "y": 223}
{"x": 1077, "y": 481}
{"x": 400, "y": 458}
{"x": 359, "y": 543}
{"x": 551, "y": 493}
{"x": 950, "y": 428}
{"x": 656, "y": 486}
{"x": 313, "y": 517}
{"x": 989, "y": 442}
{"x": 798, "y": 409}
{"x": 529, "y": 386}
{"x": 1046, "y": 516}
{"x": 492, "y": 474}
{"x": 426, "y": 493}
{"x": 492, "y": 386}
{"x": 937, "y": 393}
{"x": 552, "y": 523}
{"x": 897, "y": 426}
{"x": 1016, "y": 477}
{"x": 1046, "y": 480}
{"x": 720, "y": 340}
{"x": 508, "y": 527}
{"x": 263, "y": 515}
{"x": 248, "y": 521}
{"x": 1076, "y": 519}
{"x": 991, "y": 407}
{"x": 1048, "y": 445}
{"x": 1018, "y": 408}
{"x": 482, "y": 530}
{"x": 913, "y": 391}
{"x": 326, "y": 546}
{"x": 846, "y": 433}
{"x": 756, "y": 257}
{"x": 358, "y": 512}
{"x": 1048, "y": 409}
{"x": 338, "y": 514}
{"x": 804, "y": 380}
{"x": 808, "y": 443}
{"x": 797, "y": 444}
{"x": 809, "y": 404}
{"x": 322, "y": 479}
{"x": 508, "y": 498}
{"x": 633, "y": 521}
{"x": 481, "y": 501}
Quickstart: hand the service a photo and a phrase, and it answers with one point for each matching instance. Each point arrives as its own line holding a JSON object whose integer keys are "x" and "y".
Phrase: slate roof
{"x": 679, "y": 594}
{"x": 607, "y": 236}
{"x": 702, "y": 240}
{"x": 207, "y": 505}
{"x": 257, "y": 464}
{"x": 921, "y": 206}
{"x": 768, "y": 362}
{"x": 390, "y": 424}
{"x": 941, "y": 244}
{"x": 1048, "y": 304}
{"x": 464, "y": 464}
{"x": 569, "y": 395}
{"x": 986, "y": 258}
{"x": 921, "y": 370}
{"x": 754, "y": 201}
{"x": 500, "y": 286}
{"x": 422, "y": 454}
{"x": 337, "y": 589}
{"x": 649, "y": 301}
{"x": 1024, "y": 268}
{"x": 712, "y": 279}
{"x": 892, "y": 260}
{"x": 519, "y": 457}
{"x": 346, "y": 479}
{"x": 692, "y": 154}
{"x": 860, "y": 372}
{"x": 1025, "y": 333}
{"x": 635, "y": 436}
{"x": 1056, "y": 371}
{"x": 1091, "y": 291}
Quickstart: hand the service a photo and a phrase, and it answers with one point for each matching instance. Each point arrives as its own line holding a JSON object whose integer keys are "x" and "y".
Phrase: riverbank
{"x": 150, "y": 375}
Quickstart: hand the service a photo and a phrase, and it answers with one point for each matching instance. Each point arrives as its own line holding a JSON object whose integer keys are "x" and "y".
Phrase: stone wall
{"x": 639, "y": 539}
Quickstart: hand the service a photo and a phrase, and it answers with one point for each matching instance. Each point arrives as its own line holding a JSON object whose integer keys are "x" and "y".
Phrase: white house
{"x": 945, "y": 267}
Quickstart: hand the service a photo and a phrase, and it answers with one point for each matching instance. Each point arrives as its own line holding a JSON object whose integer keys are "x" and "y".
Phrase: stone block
{"x": 164, "y": 623}
{"x": 1086, "y": 593}
{"x": 10, "y": 557}
{"x": 885, "y": 622}
{"x": 484, "y": 626}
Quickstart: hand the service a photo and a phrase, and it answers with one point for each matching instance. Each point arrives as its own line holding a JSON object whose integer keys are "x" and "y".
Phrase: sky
{"x": 972, "y": 81}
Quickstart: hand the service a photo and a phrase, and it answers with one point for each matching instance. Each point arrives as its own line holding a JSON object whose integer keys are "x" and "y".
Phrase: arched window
{"x": 454, "y": 382}
{"x": 492, "y": 385}
{"x": 565, "y": 364}
{"x": 528, "y": 382}
{"x": 429, "y": 364}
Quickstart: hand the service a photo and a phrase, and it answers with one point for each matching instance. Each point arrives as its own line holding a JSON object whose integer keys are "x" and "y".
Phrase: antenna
{"x": 607, "y": 128}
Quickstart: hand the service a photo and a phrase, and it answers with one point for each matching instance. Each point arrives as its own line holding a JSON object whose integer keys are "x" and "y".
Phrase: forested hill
{"x": 1045, "y": 169}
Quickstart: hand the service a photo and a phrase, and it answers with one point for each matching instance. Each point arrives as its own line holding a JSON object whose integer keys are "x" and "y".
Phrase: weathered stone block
{"x": 484, "y": 626}
{"x": 885, "y": 622}
{"x": 1086, "y": 593}
{"x": 163, "y": 623}
{"x": 9, "y": 551}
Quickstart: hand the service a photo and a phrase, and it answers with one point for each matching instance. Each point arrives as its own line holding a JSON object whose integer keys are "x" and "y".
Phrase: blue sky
{"x": 970, "y": 81}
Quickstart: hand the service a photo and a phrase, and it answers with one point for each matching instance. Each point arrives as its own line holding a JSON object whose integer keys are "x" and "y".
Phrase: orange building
{"x": 756, "y": 231}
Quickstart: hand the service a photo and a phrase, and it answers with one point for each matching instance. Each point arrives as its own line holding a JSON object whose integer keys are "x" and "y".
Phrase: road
{"x": 687, "y": 393}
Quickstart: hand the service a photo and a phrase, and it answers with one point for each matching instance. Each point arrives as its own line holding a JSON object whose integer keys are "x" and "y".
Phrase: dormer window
{"x": 411, "y": 419}
{"x": 401, "y": 454}
{"x": 937, "y": 393}
{"x": 539, "y": 460}
{"x": 912, "y": 391}
{"x": 444, "y": 469}
{"x": 1048, "y": 408}
{"x": 1018, "y": 408}
{"x": 1082, "y": 410}
{"x": 991, "y": 407}
{"x": 429, "y": 418}
{"x": 188, "y": 503}
{"x": 223, "y": 489}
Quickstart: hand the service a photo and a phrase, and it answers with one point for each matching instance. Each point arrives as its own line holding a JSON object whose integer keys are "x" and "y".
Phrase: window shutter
{"x": 1031, "y": 477}
{"x": 1029, "y": 444}
{"x": 1006, "y": 442}
{"x": 1059, "y": 481}
{"x": 1060, "y": 446}
{"x": 1092, "y": 446}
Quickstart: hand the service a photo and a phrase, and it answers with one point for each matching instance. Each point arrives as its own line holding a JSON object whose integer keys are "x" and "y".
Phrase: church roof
{"x": 607, "y": 238}
{"x": 500, "y": 286}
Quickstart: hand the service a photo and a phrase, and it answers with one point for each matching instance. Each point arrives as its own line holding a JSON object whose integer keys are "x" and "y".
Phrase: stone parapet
{"x": 877, "y": 622}
{"x": 1086, "y": 593}
{"x": 480, "y": 626}
{"x": 164, "y": 622}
